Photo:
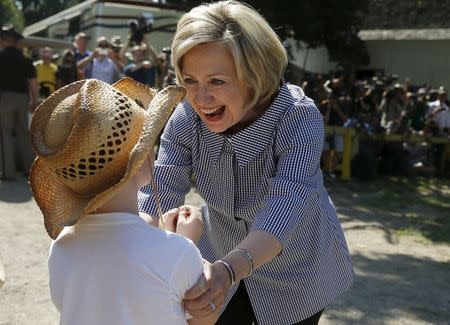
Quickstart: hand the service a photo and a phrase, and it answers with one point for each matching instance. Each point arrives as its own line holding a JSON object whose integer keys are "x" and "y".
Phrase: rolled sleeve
{"x": 294, "y": 189}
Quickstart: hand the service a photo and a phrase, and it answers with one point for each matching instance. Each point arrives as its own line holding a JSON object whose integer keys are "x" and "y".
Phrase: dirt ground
{"x": 400, "y": 280}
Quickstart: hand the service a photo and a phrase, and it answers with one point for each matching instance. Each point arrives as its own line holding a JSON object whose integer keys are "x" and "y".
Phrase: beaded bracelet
{"x": 249, "y": 258}
{"x": 230, "y": 271}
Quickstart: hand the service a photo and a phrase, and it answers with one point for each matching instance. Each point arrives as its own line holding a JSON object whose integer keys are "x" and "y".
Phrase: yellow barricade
{"x": 351, "y": 145}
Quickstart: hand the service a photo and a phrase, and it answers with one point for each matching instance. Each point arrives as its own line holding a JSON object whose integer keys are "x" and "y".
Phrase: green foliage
{"x": 36, "y": 10}
{"x": 331, "y": 23}
{"x": 10, "y": 14}
{"x": 407, "y": 14}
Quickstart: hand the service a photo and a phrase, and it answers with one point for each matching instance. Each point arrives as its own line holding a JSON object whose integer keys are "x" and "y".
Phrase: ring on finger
{"x": 212, "y": 306}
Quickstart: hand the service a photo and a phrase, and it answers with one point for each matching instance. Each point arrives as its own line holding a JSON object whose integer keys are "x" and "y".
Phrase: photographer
{"x": 102, "y": 64}
{"x": 166, "y": 72}
{"x": 141, "y": 69}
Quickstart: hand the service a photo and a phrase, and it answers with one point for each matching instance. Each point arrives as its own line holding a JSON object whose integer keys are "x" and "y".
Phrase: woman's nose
{"x": 202, "y": 96}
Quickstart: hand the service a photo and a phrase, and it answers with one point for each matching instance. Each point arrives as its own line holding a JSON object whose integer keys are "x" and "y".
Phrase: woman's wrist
{"x": 238, "y": 263}
{"x": 230, "y": 271}
{"x": 248, "y": 257}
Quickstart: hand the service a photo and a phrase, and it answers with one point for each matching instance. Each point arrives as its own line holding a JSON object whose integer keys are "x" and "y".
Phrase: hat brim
{"x": 60, "y": 206}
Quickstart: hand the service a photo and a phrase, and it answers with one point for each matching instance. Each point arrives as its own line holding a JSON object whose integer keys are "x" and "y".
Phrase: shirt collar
{"x": 110, "y": 218}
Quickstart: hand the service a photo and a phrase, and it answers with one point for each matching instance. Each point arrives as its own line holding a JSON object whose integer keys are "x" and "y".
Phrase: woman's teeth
{"x": 212, "y": 111}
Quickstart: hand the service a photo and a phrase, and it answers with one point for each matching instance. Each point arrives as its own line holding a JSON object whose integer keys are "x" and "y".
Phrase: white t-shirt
{"x": 114, "y": 268}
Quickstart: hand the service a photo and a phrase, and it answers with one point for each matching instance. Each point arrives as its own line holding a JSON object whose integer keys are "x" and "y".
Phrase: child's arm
{"x": 169, "y": 219}
{"x": 190, "y": 223}
{"x": 186, "y": 221}
{"x": 149, "y": 219}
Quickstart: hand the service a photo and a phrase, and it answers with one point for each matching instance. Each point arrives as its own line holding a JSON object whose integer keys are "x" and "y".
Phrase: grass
{"x": 411, "y": 206}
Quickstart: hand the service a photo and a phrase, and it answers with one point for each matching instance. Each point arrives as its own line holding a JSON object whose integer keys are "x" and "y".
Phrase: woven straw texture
{"x": 89, "y": 138}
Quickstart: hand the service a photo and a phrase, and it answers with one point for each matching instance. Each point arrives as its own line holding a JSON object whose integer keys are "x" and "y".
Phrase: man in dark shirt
{"x": 80, "y": 49}
{"x": 142, "y": 69}
{"x": 18, "y": 96}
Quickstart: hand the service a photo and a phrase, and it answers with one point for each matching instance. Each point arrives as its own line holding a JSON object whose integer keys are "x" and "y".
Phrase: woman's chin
{"x": 216, "y": 128}
{"x": 217, "y": 125}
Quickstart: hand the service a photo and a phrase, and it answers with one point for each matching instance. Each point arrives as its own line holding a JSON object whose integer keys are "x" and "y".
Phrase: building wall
{"x": 314, "y": 60}
{"x": 422, "y": 61}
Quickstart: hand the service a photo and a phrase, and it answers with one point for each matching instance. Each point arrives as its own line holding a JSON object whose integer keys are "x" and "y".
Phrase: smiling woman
{"x": 214, "y": 90}
{"x": 275, "y": 250}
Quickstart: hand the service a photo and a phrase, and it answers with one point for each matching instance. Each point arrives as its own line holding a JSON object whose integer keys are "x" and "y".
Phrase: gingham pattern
{"x": 266, "y": 177}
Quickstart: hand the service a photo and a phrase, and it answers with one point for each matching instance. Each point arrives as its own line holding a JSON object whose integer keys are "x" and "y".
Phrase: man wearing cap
{"x": 18, "y": 96}
{"x": 101, "y": 64}
{"x": 80, "y": 46}
{"x": 80, "y": 49}
{"x": 116, "y": 46}
{"x": 141, "y": 69}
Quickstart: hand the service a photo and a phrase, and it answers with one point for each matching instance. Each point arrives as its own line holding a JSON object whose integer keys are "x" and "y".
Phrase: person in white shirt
{"x": 440, "y": 111}
{"x": 107, "y": 265}
{"x": 102, "y": 64}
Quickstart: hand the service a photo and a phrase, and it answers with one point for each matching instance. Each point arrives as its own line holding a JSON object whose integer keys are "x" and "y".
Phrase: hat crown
{"x": 78, "y": 173}
{"x": 86, "y": 137}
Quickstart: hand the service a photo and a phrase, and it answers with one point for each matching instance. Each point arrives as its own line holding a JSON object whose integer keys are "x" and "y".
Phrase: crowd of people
{"x": 382, "y": 105}
{"x": 26, "y": 81}
{"x": 375, "y": 105}
{"x": 109, "y": 61}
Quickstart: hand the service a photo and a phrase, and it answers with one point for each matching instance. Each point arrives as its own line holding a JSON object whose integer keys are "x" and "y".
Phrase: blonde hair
{"x": 259, "y": 55}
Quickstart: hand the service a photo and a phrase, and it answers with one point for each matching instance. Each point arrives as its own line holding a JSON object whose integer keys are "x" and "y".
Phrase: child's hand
{"x": 170, "y": 219}
{"x": 190, "y": 222}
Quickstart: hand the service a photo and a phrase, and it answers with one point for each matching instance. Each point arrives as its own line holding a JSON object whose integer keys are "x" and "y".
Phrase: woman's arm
{"x": 215, "y": 281}
{"x": 294, "y": 189}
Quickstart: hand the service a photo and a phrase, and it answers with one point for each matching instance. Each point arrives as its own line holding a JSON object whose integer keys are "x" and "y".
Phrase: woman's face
{"x": 213, "y": 89}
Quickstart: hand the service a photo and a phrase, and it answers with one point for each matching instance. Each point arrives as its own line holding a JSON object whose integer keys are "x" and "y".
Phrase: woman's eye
{"x": 188, "y": 81}
{"x": 217, "y": 82}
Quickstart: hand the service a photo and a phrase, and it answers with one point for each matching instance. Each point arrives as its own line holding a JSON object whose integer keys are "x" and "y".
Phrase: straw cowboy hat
{"x": 89, "y": 138}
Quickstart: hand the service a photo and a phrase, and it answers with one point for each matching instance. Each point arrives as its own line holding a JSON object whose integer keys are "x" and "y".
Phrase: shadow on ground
{"x": 386, "y": 289}
{"x": 397, "y": 205}
{"x": 15, "y": 191}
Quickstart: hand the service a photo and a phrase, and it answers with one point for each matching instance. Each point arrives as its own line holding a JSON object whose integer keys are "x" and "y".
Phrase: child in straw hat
{"x": 94, "y": 145}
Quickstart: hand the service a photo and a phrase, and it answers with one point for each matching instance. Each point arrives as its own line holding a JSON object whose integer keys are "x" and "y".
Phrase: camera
{"x": 103, "y": 51}
{"x": 139, "y": 27}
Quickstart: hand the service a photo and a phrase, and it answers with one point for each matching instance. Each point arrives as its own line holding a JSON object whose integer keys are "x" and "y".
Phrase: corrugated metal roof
{"x": 430, "y": 34}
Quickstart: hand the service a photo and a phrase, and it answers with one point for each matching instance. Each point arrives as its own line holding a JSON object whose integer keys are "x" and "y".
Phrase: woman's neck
{"x": 254, "y": 114}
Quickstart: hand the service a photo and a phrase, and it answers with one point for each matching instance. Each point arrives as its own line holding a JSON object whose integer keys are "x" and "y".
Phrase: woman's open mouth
{"x": 214, "y": 114}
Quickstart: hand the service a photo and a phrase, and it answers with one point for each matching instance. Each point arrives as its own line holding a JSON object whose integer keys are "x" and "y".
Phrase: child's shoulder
{"x": 176, "y": 241}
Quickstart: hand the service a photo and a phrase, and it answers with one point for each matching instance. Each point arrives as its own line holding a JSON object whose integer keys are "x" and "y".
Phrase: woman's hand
{"x": 208, "y": 294}
{"x": 190, "y": 223}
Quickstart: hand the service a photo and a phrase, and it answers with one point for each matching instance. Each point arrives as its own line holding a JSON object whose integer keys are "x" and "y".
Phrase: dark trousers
{"x": 240, "y": 312}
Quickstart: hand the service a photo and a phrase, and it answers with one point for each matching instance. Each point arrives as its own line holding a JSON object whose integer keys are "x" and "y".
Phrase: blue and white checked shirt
{"x": 265, "y": 177}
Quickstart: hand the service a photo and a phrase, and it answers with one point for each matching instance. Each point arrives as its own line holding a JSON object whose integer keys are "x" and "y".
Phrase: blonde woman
{"x": 275, "y": 250}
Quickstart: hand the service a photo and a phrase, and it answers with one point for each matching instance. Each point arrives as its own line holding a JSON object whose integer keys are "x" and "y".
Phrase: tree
{"x": 331, "y": 23}
{"x": 36, "y": 10}
{"x": 10, "y": 14}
